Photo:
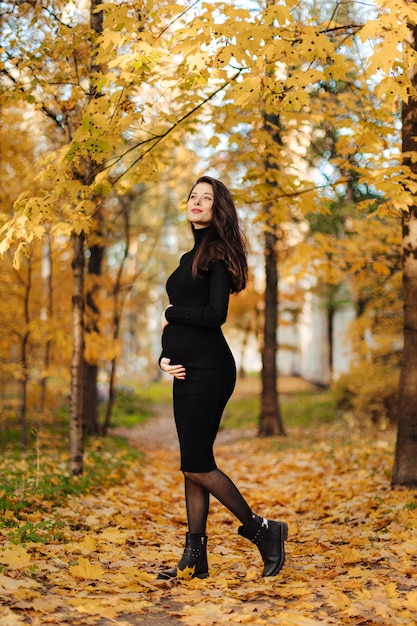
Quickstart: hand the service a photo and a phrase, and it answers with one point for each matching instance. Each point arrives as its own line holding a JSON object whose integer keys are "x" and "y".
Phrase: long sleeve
{"x": 214, "y": 313}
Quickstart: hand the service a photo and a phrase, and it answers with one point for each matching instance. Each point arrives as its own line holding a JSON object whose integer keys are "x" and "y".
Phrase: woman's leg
{"x": 193, "y": 563}
{"x": 268, "y": 536}
{"x": 223, "y": 489}
{"x": 197, "y": 503}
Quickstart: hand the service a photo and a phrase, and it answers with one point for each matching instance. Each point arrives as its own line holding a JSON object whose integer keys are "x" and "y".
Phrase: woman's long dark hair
{"x": 225, "y": 240}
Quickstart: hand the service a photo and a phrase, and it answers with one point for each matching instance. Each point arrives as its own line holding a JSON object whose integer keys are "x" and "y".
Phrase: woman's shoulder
{"x": 187, "y": 256}
{"x": 220, "y": 268}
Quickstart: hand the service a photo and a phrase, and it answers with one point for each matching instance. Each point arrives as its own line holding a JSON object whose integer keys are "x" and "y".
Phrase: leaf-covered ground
{"x": 352, "y": 549}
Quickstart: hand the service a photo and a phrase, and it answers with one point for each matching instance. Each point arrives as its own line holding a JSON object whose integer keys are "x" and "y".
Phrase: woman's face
{"x": 200, "y": 205}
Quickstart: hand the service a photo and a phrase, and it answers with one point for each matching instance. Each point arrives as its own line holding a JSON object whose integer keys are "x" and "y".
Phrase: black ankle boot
{"x": 269, "y": 537}
{"x": 193, "y": 563}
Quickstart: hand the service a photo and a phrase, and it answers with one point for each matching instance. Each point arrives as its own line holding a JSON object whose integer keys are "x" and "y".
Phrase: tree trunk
{"x": 405, "y": 466}
{"x": 118, "y": 302}
{"x": 77, "y": 362}
{"x": 49, "y": 317}
{"x": 270, "y": 422}
{"x": 90, "y": 411}
{"x": 245, "y": 341}
{"x": 90, "y": 398}
{"x": 331, "y": 311}
{"x": 24, "y": 358}
{"x": 110, "y": 398}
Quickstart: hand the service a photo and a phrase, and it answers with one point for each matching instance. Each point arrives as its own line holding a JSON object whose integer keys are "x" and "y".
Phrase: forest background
{"x": 109, "y": 112}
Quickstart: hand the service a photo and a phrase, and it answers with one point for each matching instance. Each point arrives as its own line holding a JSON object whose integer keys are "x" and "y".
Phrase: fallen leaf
{"x": 86, "y": 570}
{"x": 15, "y": 557}
{"x": 10, "y": 585}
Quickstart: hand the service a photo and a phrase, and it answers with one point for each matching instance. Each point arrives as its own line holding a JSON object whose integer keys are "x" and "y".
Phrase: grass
{"x": 131, "y": 407}
{"x": 37, "y": 481}
{"x": 134, "y": 403}
{"x": 306, "y": 407}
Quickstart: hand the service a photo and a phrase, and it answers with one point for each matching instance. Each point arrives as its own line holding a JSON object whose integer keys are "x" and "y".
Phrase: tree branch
{"x": 158, "y": 138}
{"x": 178, "y": 17}
{"x": 301, "y": 192}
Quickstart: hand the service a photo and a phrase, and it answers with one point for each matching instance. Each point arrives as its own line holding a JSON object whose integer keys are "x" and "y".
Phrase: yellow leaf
{"x": 246, "y": 91}
{"x": 86, "y": 570}
{"x": 186, "y": 573}
{"x": 87, "y": 545}
{"x": 15, "y": 557}
{"x": 295, "y": 99}
{"x": 385, "y": 58}
{"x": 390, "y": 87}
{"x": 381, "y": 268}
{"x": 278, "y": 13}
{"x": 114, "y": 535}
{"x": 10, "y": 585}
{"x": 93, "y": 606}
{"x": 145, "y": 576}
{"x": 411, "y": 601}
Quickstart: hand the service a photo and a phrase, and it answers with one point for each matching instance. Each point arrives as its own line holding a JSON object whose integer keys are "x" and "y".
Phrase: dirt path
{"x": 156, "y": 434}
{"x": 159, "y": 432}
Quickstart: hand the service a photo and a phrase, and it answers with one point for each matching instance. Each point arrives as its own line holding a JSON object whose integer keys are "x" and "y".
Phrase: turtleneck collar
{"x": 200, "y": 233}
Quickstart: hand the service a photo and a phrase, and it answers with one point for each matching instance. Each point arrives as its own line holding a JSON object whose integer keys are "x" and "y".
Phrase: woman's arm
{"x": 215, "y": 312}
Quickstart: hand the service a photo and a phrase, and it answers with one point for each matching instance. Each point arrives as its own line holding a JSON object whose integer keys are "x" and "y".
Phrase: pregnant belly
{"x": 193, "y": 345}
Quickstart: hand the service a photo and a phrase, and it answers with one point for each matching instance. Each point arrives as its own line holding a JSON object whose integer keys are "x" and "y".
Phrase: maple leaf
{"x": 186, "y": 574}
{"x": 87, "y": 545}
{"x": 15, "y": 557}
{"x": 86, "y": 570}
{"x": 93, "y": 606}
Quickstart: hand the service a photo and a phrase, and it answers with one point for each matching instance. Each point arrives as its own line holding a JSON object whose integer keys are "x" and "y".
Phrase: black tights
{"x": 199, "y": 486}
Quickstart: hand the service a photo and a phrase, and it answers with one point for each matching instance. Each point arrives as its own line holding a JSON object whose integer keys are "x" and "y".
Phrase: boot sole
{"x": 171, "y": 575}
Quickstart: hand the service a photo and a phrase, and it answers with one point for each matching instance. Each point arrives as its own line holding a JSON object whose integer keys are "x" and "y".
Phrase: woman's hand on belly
{"x": 177, "y": 371}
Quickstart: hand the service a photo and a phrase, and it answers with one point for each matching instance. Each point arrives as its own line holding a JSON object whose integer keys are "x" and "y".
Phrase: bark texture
{"x": 405, "y": 465}
{"x": 270, "y": 422}
{"x": 77, "y": 381}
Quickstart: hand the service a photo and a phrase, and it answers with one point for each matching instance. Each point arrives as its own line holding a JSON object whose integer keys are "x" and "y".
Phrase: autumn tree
{"x": 26, "y": 320}
{"x": 83, "y": 410}
{"x": 95, "y": 243}
{"x": 405, "y": 468}
{"x": 270, "y": 418}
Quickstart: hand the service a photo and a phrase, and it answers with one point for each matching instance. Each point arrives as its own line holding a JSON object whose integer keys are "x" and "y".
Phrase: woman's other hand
{"x": 164, "y": 321}
{"x": 177, "y": 371}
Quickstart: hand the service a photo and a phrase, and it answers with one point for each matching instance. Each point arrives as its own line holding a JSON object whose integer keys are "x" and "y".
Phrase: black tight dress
{"x": 194, "y": 339}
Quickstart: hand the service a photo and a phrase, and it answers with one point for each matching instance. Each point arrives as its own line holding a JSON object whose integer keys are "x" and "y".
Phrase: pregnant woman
{"x": 196, "y": 355}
